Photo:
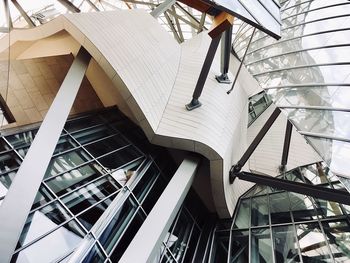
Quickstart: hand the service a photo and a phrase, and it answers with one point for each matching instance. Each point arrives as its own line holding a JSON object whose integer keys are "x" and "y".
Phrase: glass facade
{"x": 306, "y": 73}
{"x": 270, "y": 225}
{"x": 257, "y": 105}
{"x": 99, "y": 185}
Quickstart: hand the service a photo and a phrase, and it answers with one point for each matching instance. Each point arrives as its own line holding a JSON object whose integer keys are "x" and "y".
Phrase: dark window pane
{"x": 286, "y": 246}
{"x": 73, "y": 179}
{"x": 261, "y": 248}
{"x": 7, "y": 178}
{"x": 280, "y": 208}
{"x": 90, "y": 194}
{"x": 106, "y": 145}
{"x": 178, "y": 239}
{"x": 118, "y": 224}
{"x": 121, "y": 157}
{"x": 82, "y": 123}
{"x": 95, "y": 255}
{"x": 3, "y": 145}
{"x": 90, "y": 217}
{"x": 221, "y": 244}
{"x": 66, "y": 162}
{"x": 93, "y": 134}
{"x": 9, "y": 161}
{"x": 153, "y": 194}
{"x": 240, "y": 246}
{"x": 191, "y": 246}
{"x": 145, "y": 182}
{"x": 127, "y": 237}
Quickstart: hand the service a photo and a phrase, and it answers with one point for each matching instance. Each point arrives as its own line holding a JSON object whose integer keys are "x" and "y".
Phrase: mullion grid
{"x": 54, "y": 197}
{"x": 318, "y": 220}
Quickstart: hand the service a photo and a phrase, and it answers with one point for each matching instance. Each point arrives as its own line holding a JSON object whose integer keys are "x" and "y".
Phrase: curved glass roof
{"x": 307, "y": 73}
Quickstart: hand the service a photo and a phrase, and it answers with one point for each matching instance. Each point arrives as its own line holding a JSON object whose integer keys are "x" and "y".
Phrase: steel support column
{"x": 69, "y": 5}
{"x": 226, "y": 41}
{"x": 238, "y": 166}
{"x": 334, "y": 195}
{"x": 204, "y": 74}
{"x": 24, "y": 188}
{"x": 286, "y": 145}
{"x": 146, "y": 243}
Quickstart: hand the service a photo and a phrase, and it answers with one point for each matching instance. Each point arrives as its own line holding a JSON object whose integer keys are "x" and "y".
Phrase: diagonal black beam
{"x": 286, "y": 145}
{"x": 334, "y": 195}
{"x": 204, "y": 74}
{"x": 238, "y": 166}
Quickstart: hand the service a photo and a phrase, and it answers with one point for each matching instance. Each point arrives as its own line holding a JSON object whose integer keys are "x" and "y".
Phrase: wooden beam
{"x": 220, "y": 24}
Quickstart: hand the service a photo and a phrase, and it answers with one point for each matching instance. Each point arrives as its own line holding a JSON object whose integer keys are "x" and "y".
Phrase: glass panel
{"x": 82, "y": 123}
{"x": 261, "y": 247}
{"x": 240, "y": 247}
{"x": 145, "y": 182}
{"x": 280, "y": 208}
{"x": 93, "y": 134}
{"x": 192, "y": 244}
{"x": 42, "y": 197}
{"x": 328, "y": 208}
{"x": 23, "y": 139}
{"x": 260, "y": 211}
{"x": 153, "y": 194}
{"x": 95, "y": 255}
{"x": 7, "y": 178}
{"x": 127, "y": 237}
{"x": 9, "y": 161}
{"x": 42, "y": 221}
{"x": 312, "y": 243}
{"x": 286, "y": 246}
{"x": 90, "y": 217}
{"x": 302, "y": 208}
{"x": 106, "y": 145}
{"x": 66, "y": 162}
{"x": 118, "y": 225}
{"x": 57, "y": 244}
{"x": 119, "y": 158}
{"x": 338, "y": 236}
{"x": 73, "y": 179}
{"x": 90, "y": 194}
{"x": 243, "y": 214}
{"x": 178, "y": 239}
{"x": 221, "y": 243}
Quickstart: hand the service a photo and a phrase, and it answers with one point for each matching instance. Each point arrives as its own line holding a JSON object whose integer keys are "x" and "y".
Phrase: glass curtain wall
{"x": 277, "y": 226}
{"x": 307, "y": 73}
{"x": 100, "y": 159}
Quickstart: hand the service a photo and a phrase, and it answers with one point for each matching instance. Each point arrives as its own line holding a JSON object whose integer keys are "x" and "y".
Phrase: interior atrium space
{"x": 174, "y": 131}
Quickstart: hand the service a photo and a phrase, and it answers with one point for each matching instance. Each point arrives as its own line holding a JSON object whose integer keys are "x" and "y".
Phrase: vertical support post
{"x": 286, "y": 145}
{"x": 241, "y": 64}
{"x": 21, "y": 195}
{"x": 147, "y": 242}
{"x": 204, "y": 74}
{"x": 226, "y": 40}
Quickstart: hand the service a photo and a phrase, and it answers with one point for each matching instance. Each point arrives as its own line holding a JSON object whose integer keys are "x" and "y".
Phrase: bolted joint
{"x": 235, "y": 169}
{"x": 223, "y": 78}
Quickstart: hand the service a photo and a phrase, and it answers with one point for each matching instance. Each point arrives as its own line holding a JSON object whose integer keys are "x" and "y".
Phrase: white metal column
{"x": 21, "y": 195}
{"x": 147, "y": 241}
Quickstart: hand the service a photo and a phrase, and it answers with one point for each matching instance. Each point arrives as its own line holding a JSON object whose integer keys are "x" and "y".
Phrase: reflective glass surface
{"x": 309, "y": 66}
